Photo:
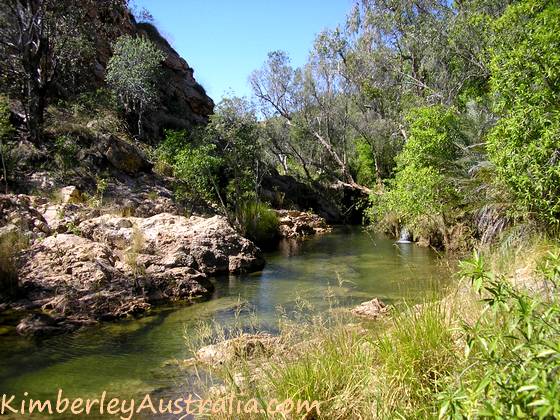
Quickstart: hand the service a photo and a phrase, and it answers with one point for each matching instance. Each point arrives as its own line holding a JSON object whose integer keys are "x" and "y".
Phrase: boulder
{"x": 76, "y": 278}
{"x": 208, "y": 245}
{"x": 70, "y": 194}
{"x": 296, "y": 224}
{"x": 372, "y": 309}
{"x": 124, "y": 156}
{"x": 245, "y": 347}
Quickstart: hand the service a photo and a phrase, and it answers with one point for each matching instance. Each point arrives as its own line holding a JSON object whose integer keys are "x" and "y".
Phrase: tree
{"x": 6, "y": 130}
{"x": 424, "y": 191}
{"x": 234, "y": 129}
{"x": 133, "y": 72}
{"x": 525, "y": 144}
{"x": 46, "y": 46}
{"x": 310, "y": 102}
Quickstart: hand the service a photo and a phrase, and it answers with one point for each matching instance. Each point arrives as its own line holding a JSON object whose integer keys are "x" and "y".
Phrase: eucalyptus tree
{"x": 311, "y": 103}
{"x": 47, "y": 47}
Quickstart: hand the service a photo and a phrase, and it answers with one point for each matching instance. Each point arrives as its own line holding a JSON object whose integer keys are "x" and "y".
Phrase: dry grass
{"x": 135, "y": 248}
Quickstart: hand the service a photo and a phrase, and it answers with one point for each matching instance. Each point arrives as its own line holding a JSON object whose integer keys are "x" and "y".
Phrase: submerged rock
{"x": 372, "y": 309}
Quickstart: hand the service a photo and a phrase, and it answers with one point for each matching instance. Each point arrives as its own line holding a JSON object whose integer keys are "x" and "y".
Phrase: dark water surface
{"x": 132, "y": 358}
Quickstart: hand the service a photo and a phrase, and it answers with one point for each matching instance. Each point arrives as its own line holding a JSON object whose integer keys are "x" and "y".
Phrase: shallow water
{"x": 132, "y": 358}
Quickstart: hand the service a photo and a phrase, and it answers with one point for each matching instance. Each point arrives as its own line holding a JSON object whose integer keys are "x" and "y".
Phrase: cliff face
{"x": 184, "y": 102}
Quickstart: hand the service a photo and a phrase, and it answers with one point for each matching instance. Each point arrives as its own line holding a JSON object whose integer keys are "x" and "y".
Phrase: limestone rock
{"x": 208, "y": 245}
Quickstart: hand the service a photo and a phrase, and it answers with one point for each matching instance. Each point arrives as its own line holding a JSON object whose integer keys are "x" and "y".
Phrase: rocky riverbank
{"x": 82, "y": 267}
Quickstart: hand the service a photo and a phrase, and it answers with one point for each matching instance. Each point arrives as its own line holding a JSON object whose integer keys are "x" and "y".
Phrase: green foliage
{"x": 196, "y": 165}
{"x": 6, "y": 127}
{"x": 525, "y": 143}
{"x": 258, "y": 222}
{"x": 198, "y": 169}
{"x": 512, "y": 352}
{"x": 66, "y": 149}
{"x": 423, "y": 190}
{"x": 234, "y": 129}
{"x": 365, "y": 163}
{"x": 433, "y": 138}
{"x": 11, "y": 243}
{"x": 133, "y": 73}
{"x": 6, "y": 131}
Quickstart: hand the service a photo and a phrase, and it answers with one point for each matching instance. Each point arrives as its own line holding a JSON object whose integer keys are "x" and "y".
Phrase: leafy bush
{"x": 512, "y": 353}
{"x": 525, "y": 144}
{"x": 365, "y": 163}
{"x": 197, "y": 167}
{"x": 258, "y": 222}
{"x": 423, "y": 193}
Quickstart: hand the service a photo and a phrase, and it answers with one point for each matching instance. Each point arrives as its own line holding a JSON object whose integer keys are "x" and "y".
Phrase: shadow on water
{"x": 131, "y": 358}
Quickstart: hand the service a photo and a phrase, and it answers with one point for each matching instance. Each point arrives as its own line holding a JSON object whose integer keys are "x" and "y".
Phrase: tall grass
{"x": 491, "y": 350}
{"x": 11, "y": 243}
{"x": 258, "y": 222}
{"x": 413, "y": 356}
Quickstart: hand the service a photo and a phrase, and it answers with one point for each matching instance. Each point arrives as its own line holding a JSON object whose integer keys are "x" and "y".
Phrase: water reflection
{"x": 132, "y": 357}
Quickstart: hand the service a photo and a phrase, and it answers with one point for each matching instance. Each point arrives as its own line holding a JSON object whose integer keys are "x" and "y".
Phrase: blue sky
{"x": 225, "y": 40}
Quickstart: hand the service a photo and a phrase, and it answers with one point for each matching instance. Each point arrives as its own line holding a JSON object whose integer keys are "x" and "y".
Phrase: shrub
{"x": 133, "y": 73}
{"x": 511, "y": 367}
{"x": 258, "y": 222}
{"x": 525, "y": 143}
{"x": 66, "y": 149}
{"x": 197, "y": 167}
{"x": 365, "y": 163}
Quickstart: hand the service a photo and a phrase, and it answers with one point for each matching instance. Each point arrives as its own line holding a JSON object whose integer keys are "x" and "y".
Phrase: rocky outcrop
{"x": 372, "y": 309}
{"x": 109, "y": 267}
{"x": 17, "y": 214}
{"x": 297, "y": 224}
{"x": 184, "y": 102}
{"x": 164, "y": 241}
